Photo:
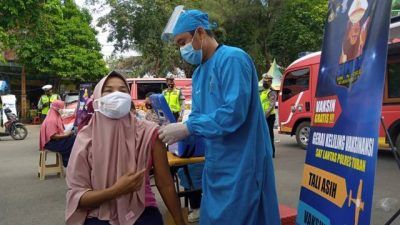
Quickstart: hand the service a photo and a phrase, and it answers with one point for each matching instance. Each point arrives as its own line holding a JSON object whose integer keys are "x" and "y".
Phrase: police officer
{"x": 174, "y": 97}
{"x": 268, "y": 99}
{"x": 46, "y": 99}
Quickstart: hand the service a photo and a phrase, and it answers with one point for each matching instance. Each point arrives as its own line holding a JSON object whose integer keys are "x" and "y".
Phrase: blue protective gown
{"x": 238, "y": 179}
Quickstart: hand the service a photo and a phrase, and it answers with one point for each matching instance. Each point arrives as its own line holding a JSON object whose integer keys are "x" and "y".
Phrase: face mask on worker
{"x": 115, "y": 105}
{"x": 266, "y": 85}
{"x": 191, "y": 55}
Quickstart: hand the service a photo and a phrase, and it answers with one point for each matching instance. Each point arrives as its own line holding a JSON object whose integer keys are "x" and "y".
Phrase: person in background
{"x": 238, "y": 179}
{"x": 46, "y": 99}
{"x": 108, "y": 176}
{"x": 151, "y": 115}
{"x": 268, "y": 99}
{"x": 52, "y": 134}
{"x": 174, "y": 97}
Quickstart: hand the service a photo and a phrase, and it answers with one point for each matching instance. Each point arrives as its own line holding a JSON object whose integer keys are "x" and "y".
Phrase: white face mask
{"x": 61, "y": 111}
{"x": 115, "y": 105}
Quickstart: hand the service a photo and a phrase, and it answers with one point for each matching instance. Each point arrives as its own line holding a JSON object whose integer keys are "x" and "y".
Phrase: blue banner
{"x": 338, "y": 178}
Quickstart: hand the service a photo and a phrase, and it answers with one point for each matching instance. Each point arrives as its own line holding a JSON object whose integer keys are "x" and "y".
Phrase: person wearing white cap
{"x": 46, "y": 99}
{"x": 268, "y": 99}
{"x": 173, "y": 96}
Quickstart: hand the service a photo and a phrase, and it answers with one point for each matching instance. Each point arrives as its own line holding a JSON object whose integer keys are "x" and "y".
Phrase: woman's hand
{"x": 68, "y": 133}
{"x": 128, "y": 183}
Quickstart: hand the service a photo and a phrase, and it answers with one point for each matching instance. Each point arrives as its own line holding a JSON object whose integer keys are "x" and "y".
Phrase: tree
{"x": 138, "y": 25}
{"x": 245, "y": 24}
{"x": 254, "y": 25}
{"x": 396, "y": 5}
{"x": 3, "y": 43}
{"x": 53, "y": 38}
{"x": 298, "y": 28}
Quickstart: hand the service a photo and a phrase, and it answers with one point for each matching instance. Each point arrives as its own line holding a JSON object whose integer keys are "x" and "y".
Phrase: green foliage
{"x": 3, "y": 42}
{"x": 299, "y": 28}
{"x": 57, "y": 40}
{"x": 138, "y": 25}
{"x": 396, "y": 4}
{"x": 281, "y": 29}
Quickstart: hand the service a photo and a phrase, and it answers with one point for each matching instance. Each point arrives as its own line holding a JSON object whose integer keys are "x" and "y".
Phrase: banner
{"x": 338, "y": 178}
{"x": 8, "y": 101}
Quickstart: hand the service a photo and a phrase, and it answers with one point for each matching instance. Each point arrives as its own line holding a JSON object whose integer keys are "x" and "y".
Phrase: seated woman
{"x": 108, "y": 181}
{"x": 52, "y": 135}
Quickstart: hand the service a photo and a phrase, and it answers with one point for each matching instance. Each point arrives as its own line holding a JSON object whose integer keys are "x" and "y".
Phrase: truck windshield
{"x": 144, "y": 88}
{"x": 295, "y": 82}
{"x": 394, "y": 80}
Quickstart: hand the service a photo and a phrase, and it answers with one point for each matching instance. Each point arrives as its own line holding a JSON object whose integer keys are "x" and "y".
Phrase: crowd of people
{"x": 109, "y": 160}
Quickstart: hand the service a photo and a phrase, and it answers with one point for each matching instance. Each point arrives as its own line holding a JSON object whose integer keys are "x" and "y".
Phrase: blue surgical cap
{"x": 190, "y": 20}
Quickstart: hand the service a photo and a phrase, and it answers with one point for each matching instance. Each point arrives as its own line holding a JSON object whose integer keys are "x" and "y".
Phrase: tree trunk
{"x": 23, "y": 94}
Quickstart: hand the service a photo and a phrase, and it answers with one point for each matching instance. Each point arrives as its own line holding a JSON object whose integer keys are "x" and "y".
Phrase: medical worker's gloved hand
{"x": 173, "y": 133}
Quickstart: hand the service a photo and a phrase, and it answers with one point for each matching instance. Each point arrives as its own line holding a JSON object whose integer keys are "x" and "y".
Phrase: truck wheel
{"x": 398, "y": 143}
{"x": 303, "y": 134}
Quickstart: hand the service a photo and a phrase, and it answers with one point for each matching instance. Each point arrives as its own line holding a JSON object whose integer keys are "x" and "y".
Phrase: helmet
{"x": 47, "y": 87}
{"x": 267, "y": 76}
{"x": 170, "y": 76}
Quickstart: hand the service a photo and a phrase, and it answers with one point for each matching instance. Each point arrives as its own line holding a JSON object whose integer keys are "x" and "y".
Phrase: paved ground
{"x": 24, "y": 200}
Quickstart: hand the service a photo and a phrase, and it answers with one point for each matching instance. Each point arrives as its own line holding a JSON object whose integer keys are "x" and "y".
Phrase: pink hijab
{"x": 105, "y": 150}
{"x": 52, "y": 124}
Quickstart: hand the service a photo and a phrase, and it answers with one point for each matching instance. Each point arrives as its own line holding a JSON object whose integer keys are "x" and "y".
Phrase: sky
{"x": 106, "y": 47}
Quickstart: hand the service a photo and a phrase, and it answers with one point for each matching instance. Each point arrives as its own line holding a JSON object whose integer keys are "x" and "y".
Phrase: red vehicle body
{"x": 141, "y": 86}
{"x": 297, "y": 96}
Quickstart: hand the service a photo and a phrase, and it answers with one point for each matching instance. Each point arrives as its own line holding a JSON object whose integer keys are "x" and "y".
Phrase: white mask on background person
{"x": 61, "y": 111}
{"x": 114, "y": 106}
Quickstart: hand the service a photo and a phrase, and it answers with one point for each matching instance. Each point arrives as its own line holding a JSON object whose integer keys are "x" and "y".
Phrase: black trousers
{"x": 271, "y": 122}
{"x": 194, "y": 199}
{"x": 63, "y": 146}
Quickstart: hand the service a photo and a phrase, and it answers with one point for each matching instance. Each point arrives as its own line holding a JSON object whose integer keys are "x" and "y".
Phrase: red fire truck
{"x": 297, "y": 96}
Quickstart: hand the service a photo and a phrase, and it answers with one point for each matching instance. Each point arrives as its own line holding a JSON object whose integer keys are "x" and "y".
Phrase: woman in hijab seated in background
{"x": 108, "y": 175}
{"x": 52, "y": 134}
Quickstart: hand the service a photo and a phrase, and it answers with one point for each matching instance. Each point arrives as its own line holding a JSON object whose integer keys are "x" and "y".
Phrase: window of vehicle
{"x": 295, "y": 82}
{"x": 394, "y": 80}
{"x": 144, "y": 88}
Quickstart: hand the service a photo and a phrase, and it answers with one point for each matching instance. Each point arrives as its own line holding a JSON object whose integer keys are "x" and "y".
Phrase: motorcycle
{"x": 13, "y": 127}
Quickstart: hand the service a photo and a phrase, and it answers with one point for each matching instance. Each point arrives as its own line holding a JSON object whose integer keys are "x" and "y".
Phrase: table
{"x": 175, "y": 164}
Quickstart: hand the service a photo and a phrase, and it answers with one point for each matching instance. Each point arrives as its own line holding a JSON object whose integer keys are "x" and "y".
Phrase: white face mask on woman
{"x": 115, "y": 105}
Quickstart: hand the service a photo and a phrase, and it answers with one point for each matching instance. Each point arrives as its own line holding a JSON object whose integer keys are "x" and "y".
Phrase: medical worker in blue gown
{"x": 238, "y": 178}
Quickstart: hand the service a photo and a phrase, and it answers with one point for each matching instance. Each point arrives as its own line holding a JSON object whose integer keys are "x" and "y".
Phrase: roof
{"x": 394, "y": 29}
{"x": 309, "y": 59}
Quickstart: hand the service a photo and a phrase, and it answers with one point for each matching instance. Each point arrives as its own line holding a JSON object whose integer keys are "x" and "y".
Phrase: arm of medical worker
{"x": 235, "y": 85}
{"x": 164, "y": 182}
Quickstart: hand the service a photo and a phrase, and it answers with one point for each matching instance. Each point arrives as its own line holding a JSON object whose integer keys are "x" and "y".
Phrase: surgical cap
{"x": 190, "y": 20}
